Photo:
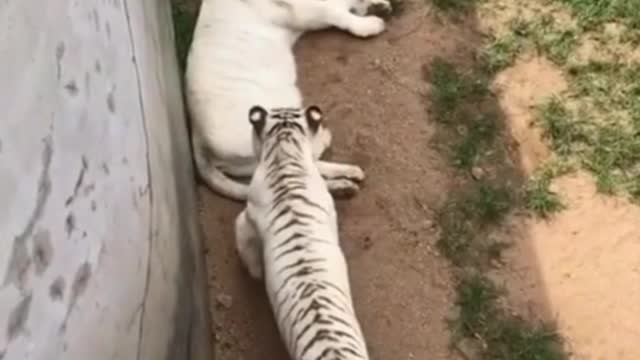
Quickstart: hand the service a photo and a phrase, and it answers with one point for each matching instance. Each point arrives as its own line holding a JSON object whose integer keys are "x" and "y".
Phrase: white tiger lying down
{"x": 242, "y": 55}
{"x": 289, "y": 230}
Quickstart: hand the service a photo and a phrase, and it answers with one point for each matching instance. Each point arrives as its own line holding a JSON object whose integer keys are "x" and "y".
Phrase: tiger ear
{"x": 257, "y": 118}
{"x": 314, "y": 117}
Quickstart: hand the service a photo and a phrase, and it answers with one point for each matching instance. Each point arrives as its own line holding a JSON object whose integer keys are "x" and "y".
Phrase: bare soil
{"x": 579, "y": 268}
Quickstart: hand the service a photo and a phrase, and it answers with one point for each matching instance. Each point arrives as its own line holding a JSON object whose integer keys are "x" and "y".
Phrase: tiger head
{"x": 282, "y": 122}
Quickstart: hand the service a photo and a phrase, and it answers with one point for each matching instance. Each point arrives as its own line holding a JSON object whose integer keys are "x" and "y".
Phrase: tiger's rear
{"x": 289, "y": 231}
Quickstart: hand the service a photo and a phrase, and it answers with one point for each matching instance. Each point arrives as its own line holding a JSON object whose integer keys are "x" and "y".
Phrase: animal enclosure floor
{"x": 376, "y": 101}
{"x": 370, "y": 93}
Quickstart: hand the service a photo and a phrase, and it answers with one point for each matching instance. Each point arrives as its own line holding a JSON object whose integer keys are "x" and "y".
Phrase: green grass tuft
{"x": 477, "y": 138}
{"x": 596, "y": 12}
{"x": 464, "y": 219}
{"x": 606, "y": 138}
{"x": 558, "y": 126}
{"x": 451, "y": 90}
{"x": 476, "y": 298}
{"x": 501, "y": 52}
{"x": 489, "y": 204}
{"x": 503, "y": 336}
{"x": 456, "y": 5}
{"x": 540, "y": 199}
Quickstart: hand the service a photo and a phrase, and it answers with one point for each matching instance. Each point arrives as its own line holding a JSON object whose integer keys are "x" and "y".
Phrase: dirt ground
{"x": 576, "y": 269}
{"x": 369, "y": 90}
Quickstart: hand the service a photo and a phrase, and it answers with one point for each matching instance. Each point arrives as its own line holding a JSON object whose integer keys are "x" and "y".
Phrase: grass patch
{"x": 614, "y": 158}
{"x": 476, "y": 139}
{"x": 543, "y": 34}
{"x": 457, "y": 5}
{"x": 501, "y": 52}
{"x": 559, "y": 127}
{"x": 461, "y": 102}
{"x": 488, "y": 203}
{"x": 463, "y": 222}
{"x": 555, "y": 42}
{"x": 502, "y": 336}
{"x": 451, "y": 89}
{"x": 455, "y": 100}
{"x": 601, "y": 130}
{"x": 538, "y": 197}
{"x": 591, "y": 13}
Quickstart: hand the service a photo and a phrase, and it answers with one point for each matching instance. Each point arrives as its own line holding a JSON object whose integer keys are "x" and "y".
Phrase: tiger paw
{"x": 342, "y": 188}
{"x": 367, "y": 26}
{"x": 353, "y": 173}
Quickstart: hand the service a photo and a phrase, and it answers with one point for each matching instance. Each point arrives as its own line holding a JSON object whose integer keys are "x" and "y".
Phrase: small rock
{"x": 224, "y": 300}
{"x": 477, "y": 173}
{"x": 468, "y": 349}
{"x": 367, "y": 243}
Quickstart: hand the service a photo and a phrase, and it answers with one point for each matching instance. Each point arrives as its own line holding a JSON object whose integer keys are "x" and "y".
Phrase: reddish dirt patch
{"x": 584, "y": 265}
{"x": 520, "y": 88}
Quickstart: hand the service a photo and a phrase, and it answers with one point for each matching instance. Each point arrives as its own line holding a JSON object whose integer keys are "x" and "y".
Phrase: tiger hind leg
{"x": 248, "y": 245}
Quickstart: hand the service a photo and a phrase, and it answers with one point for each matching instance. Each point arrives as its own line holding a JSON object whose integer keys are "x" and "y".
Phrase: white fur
{"x": 241, "y": 56}
{"x": 288, "y": 234}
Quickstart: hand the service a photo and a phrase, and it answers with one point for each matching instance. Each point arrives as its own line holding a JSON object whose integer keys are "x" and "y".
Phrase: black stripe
{"x": 309, "y": 290}
{"x": 280, "y": 214}
{"x": 343, "y": 334}
{"x": 274, "y": 128}
{"x": 282, "y": 178}
{"x": 317, "y": 320}
{"x": 330, "y": 302}
{"x": 290, "y": 250}
{"x": 303, "y": 272}
{"x": 292, "y": 237}
{"x": 342, "y": 321}
{"x": 273, "y": 147}
{"x": 304, "y": 312}
{"x": 299, "y": 262}
{"x": 322, "y": 334}
{"x": 326, "y": 352}
{"x": 352, "y": 352}
{"x": 335, "y": 287}
{"x": 288, "y": 224}
{"x": 306, "y": 200}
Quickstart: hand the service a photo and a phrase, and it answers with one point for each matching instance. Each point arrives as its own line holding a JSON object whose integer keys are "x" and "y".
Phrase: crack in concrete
{"x": 146, "y": 138}
{"x": 19, "y": 262}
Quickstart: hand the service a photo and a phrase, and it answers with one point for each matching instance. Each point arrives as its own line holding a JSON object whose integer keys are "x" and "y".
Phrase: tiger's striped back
{"x": 294, "y": 215}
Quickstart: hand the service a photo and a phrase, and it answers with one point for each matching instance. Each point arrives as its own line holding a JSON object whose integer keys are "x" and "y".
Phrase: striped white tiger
{"x": 241, "y": 55}
{"x": 288, "y": 234}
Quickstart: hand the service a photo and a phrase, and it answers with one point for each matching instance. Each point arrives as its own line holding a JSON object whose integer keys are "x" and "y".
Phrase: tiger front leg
{"x": 360, "y": 26}
{"x": 248, "y": 245}
{"x": 341, "y": 179}
{"x": 332, "y": 170}
{"x": 342, "y": 14}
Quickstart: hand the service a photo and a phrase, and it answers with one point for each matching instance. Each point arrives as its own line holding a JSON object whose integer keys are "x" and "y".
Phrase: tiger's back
{"x": 305, "y": 270}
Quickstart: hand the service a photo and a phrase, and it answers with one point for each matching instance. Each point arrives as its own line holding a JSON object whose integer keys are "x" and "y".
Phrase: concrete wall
{"x": 99, "y": 252}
